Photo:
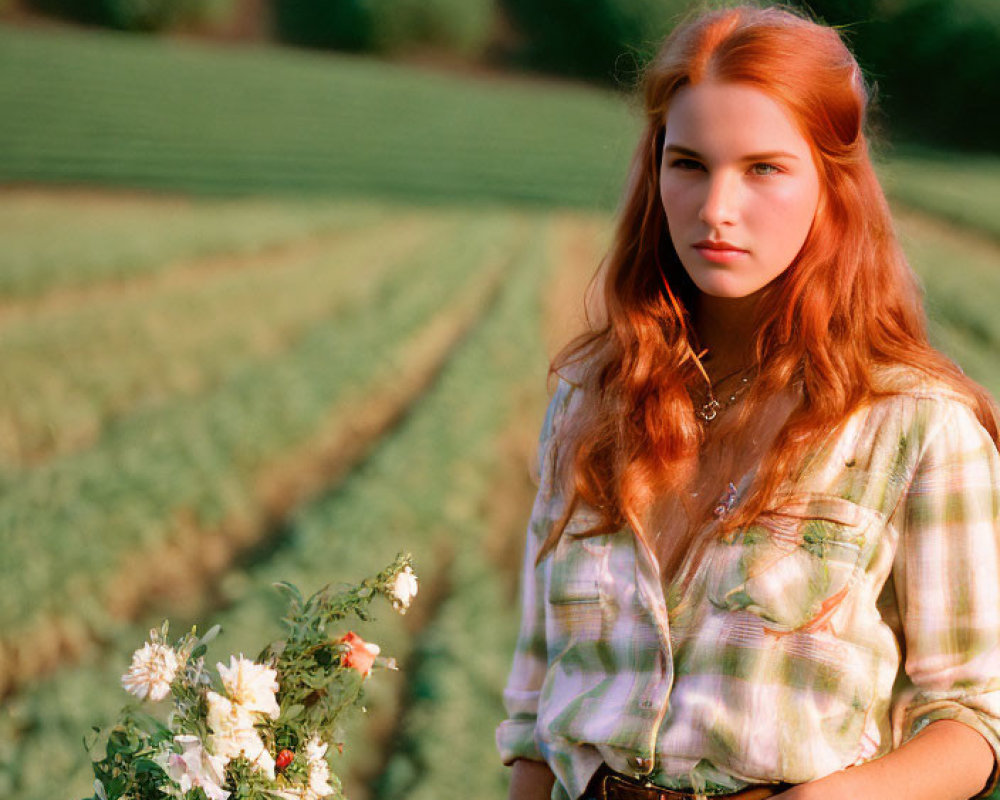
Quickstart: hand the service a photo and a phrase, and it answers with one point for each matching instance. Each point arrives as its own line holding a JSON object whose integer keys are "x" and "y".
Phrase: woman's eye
{"x": 685, "y": 163}
{"x": 765, "y": 169}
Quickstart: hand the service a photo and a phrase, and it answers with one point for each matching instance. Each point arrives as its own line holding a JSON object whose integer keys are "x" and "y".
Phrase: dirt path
{"x": 965, "y": 239}
{"x": 182, "y": 274}
{"x": 578, "y": 245}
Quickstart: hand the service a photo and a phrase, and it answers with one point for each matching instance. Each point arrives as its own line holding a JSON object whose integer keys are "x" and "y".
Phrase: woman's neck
{"x": 725, "y": 328}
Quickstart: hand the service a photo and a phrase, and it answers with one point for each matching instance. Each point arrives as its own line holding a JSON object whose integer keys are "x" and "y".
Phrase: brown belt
{"x": 610, "y": 785}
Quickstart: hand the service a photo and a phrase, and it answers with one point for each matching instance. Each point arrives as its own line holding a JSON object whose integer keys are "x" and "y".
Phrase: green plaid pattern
{"x": 776, "y": 655}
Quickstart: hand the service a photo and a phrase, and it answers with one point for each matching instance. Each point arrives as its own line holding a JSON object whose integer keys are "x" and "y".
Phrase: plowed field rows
{"x": 125, "y": 530}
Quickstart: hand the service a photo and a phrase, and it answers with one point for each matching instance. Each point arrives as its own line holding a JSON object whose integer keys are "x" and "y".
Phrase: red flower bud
{"x": 285, "y": 757}
{"x": 360, "y": 655}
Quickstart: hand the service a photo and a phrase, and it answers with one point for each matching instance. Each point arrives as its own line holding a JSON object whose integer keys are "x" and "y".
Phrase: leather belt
{"x": 609, "y": 785}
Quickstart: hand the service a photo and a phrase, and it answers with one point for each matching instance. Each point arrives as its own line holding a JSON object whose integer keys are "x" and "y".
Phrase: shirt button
{"x": 642, "y": 765}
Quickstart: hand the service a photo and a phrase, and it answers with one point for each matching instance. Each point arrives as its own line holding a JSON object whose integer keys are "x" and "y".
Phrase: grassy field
{"x": 81, "y": 109}
{"x": 204, "y": 392}
{"x": 423, "y": 488}
{"x": 951, "y": 186}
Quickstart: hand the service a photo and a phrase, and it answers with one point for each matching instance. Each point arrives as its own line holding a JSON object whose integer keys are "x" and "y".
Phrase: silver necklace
{"x": 712, "y": 406}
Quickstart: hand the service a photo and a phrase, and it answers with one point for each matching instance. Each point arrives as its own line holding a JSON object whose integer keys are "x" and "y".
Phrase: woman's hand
{"x": 530, "y": 780}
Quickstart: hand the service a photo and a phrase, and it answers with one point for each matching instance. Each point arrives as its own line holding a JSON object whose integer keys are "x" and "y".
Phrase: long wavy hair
{"x": 848, "y": 303}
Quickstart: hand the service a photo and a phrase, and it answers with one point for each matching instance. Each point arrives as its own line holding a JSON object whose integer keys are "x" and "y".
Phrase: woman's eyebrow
{"x": 769, "y": 156}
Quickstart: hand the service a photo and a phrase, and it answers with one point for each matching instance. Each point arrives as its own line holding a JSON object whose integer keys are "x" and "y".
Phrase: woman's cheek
{"x": 788, "y": 211}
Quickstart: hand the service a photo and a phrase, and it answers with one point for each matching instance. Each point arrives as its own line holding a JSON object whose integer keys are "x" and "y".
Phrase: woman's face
{"x": 738, "y": 185}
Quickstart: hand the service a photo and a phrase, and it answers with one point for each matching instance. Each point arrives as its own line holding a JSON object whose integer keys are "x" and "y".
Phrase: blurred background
{"x": 279, "y": 282}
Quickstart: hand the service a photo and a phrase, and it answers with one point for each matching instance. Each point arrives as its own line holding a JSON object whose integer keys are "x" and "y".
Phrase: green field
{"x": 325, "y": 344}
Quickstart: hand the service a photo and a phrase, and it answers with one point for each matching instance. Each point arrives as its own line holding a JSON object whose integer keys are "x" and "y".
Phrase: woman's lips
{"x": 719, "y": 252}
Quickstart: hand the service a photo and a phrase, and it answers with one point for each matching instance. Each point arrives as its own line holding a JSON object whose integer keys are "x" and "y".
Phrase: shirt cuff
{"x": 965, "y": 715}
{"x": 516, "y": 739}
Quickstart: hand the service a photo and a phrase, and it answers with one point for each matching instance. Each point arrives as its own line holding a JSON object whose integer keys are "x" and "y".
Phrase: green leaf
{"x": 150, "y": 725}
{"x": 199, "y": 651}
{"x": 212, "y": 633}
{"x": 119, "y": 744}
{"x": 90, "y": 739}
{"x": 292, "y": 712}
{"x": 143, "y": 766}
{"x": 290, "y": 590}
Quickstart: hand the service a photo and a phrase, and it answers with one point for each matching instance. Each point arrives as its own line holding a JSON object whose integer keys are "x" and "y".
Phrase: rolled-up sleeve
{"x": 516, "y": 734}
{"x": 947, "y": 579}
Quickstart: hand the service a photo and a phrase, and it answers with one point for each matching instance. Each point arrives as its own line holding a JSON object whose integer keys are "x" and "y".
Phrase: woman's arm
{"x": 530, "y": 780}
{"x": 946, "y": 725}
{"x": 947, "y": 760}
{"x": 516, "y": 740}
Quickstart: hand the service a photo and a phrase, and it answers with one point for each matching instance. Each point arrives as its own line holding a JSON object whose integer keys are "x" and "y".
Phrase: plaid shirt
{"x": 775, "y": 656}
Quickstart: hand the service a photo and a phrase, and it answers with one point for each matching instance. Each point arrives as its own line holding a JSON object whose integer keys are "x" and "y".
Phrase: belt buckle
{"x": 627, "y": 788}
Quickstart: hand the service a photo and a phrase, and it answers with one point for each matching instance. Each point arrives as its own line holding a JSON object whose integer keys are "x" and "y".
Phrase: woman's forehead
{"x": 731, "y": 117}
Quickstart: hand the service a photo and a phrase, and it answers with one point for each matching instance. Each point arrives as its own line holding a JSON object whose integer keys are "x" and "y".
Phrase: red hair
{"x": 847, "y": 304}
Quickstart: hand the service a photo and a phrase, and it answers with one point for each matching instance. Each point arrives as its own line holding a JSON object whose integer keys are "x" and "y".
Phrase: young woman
{"x": 764, "y": 558}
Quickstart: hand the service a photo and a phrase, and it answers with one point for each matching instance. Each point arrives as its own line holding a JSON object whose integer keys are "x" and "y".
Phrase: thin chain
{"x": 712, "y": 407}
{"x": 729, "y": 375}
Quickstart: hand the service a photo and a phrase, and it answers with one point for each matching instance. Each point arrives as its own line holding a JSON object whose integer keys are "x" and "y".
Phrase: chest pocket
{"x": 574, "y": 593}
{"x": 795, "y": 564}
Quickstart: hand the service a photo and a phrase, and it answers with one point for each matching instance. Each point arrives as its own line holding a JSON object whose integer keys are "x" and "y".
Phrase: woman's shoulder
{"x": 918, "y": 395}
{"x": 568, "y": 391}
{"x": 905, "y": 380}
{"x": 919, "y": 406}
{"x": 565, "y": 396}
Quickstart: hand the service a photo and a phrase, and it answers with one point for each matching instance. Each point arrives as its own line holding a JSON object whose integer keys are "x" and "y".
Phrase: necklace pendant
{"x": 710, "y": 410}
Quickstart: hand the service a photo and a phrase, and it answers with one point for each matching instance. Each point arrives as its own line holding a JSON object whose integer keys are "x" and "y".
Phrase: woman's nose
{"x": 721, "y": 203}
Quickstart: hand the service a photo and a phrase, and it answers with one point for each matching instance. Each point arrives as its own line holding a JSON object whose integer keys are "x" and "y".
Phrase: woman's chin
{"x": 725, "y": 289}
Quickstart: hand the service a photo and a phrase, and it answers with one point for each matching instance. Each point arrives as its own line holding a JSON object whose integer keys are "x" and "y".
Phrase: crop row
{"x": 69, "y": 240}
{"x": 70, "y": 372}
{"x": 959, "y": 188}
{"x": 66, "y": 526}
{"x": 444, "y": 745}
{"x": 425, "y": 489}
{"x": 960, "y": 274}
{"x": 258, "y": 120}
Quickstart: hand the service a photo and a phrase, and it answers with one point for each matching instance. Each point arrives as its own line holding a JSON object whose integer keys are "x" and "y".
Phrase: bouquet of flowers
{"x": 256, "y": 730}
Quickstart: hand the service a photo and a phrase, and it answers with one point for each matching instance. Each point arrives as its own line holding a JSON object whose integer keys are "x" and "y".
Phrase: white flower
{"x": 233, "y": 734}
{"x": 251, "y": 685}
{"x": 197, "y": 767}
{"x": 226, "y": 718}
{"x": 404, "y": 589}
{"x": 319, "y": 771}
{"x": 153, "y": 668}
{"x": 318, "y": 779}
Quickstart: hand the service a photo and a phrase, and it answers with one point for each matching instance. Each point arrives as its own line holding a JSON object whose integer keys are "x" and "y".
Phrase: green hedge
{"x": 934, "y": 63}
{"x": 135, "y": 15}
{"x": 599, "y": 39}
{"x": 462, "y": 26}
